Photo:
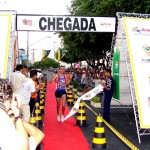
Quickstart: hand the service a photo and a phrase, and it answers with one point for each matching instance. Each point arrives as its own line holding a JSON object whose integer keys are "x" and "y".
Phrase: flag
{"x": 61, "y": 54}
{"x": 87, "y": 96}
{"x": 22, "y": 54}
{"x": 45, "y": 54}
{"x": 58, "y": 55}
{"x": 22, "y": 51}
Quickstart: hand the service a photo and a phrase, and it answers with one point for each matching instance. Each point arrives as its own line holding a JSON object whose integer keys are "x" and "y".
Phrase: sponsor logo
{"x": 96, "y": 91}
{"x": 74, "y": 109}
{"x": 88, "y": 95}
{"x": 147, "y": 49}
{"x": 143, "y": 31}
{"x": 27, "y": 22}
{"x": 104, "y": 24}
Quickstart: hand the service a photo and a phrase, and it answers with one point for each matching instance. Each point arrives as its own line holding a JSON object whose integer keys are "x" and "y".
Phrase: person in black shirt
{"x": 108, "y": 93}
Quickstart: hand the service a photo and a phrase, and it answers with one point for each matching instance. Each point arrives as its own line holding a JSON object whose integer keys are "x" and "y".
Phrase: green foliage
{"x": 46, "y": 64}
{"x": 96, "y": 99}
{"x": 24, "y": 62}
{"x": 71, "y": 83}
{"x": 75, "y": 84}
{"x": 79, "y": 89}
{"x": 92, "y": 47}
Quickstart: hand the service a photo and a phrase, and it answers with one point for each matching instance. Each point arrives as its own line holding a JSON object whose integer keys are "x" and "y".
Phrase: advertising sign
{"x": 138, "y": 41}
{"x": 115, "y": 73}
{"x": 5, "y": 22}
{"x": 65, "y": 23}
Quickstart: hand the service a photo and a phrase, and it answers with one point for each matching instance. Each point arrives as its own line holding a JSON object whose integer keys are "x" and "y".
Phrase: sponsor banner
{"x": 138, "y": 40}
{"x": 5, "y": 20}
{"x": 65, "y": 23}
{"x": 87, "y": 96}
{"x": 115, "y": 73}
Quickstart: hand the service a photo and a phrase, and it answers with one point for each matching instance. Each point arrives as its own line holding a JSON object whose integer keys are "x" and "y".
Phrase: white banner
{"x": 5, "y": 22}
{"x": 87, "y": 96}
{"x": 65, "y": 23}
{"x": 138, "y": 40}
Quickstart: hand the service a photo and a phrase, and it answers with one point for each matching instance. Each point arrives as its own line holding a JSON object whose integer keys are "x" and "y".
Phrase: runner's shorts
{"x": 59, "y": 93}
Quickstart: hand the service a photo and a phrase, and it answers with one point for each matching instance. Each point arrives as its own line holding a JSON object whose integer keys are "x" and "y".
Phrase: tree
{"x": 93, "y": 47}
{"x": 46, "y": 64}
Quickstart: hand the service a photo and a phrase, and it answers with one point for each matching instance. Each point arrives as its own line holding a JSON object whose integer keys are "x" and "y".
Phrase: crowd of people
{"x": 86, "y": 79}
{"x": 19, "y": 94}
{"x": 16, "y": 105}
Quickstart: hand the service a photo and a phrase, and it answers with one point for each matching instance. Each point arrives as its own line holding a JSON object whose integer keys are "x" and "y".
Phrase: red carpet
{"x": 58, "y": 135}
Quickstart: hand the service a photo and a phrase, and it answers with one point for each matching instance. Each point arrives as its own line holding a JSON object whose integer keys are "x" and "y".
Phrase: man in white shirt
{"x": 28, "y": 89}
{"x": 17, "y": 78}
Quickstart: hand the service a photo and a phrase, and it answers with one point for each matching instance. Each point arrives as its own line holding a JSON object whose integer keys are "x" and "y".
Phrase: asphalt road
{"x": 122, "y": 119}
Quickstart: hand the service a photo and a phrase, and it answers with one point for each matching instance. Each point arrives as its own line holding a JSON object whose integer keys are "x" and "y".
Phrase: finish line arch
{"x": 49, "y": 23}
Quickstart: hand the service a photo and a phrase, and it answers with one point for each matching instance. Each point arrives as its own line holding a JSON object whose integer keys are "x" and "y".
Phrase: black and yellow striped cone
{"x": 67, "y": 91}
{"x": 70, "y": 98}
{"x": 42, "y": 106}
{"x": 32, "y": 120}
{"x": 75, "y": 98}
{"x": 42, "y": 91}
{"x": 42, "y": 98}
{"x": 81, "y": 116}
{"x": 38, "y": 116}
{"x": 99, "y": 140}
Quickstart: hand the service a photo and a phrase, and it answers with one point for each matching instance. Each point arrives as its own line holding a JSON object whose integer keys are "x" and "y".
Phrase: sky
{"x": 38, "y": 40}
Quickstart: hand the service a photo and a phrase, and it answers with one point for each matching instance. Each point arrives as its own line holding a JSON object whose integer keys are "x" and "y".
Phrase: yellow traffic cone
{"x": 32, "y": 119}
{"x": 75, "y": 98}
{"x": 42, "y": 106}
{"x": 81, "y": 116}
{"x": 42, "y": 98}
{"x": 70, "y": 98}
{"x": 42, "y": 91}
{"x": 38, "y": 116}
{"x": 99, "y": 140}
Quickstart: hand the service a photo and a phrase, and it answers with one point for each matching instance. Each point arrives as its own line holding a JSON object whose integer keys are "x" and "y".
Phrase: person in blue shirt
{"x": 108, "y": 93}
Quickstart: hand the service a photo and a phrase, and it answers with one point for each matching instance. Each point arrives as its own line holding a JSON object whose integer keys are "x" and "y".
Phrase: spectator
{"x": 83, "y": 79}
{"x": 28, "y": 89}
{"x": 108, "y": 93}
{"x": 17, "y": 78}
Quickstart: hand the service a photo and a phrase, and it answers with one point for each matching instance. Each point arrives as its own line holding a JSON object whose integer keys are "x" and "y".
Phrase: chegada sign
{"x": 65, "y": 23}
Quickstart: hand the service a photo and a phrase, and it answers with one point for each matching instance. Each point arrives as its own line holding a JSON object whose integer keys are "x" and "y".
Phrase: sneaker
{"x": 58, "y": 118}
{"x": 62, "y": 118}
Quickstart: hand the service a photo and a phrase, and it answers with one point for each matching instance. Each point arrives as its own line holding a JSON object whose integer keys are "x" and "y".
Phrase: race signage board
{"x": 65, "y": 23}
{"x": 138, "y": 40}
{"x": 5, "y": 27}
